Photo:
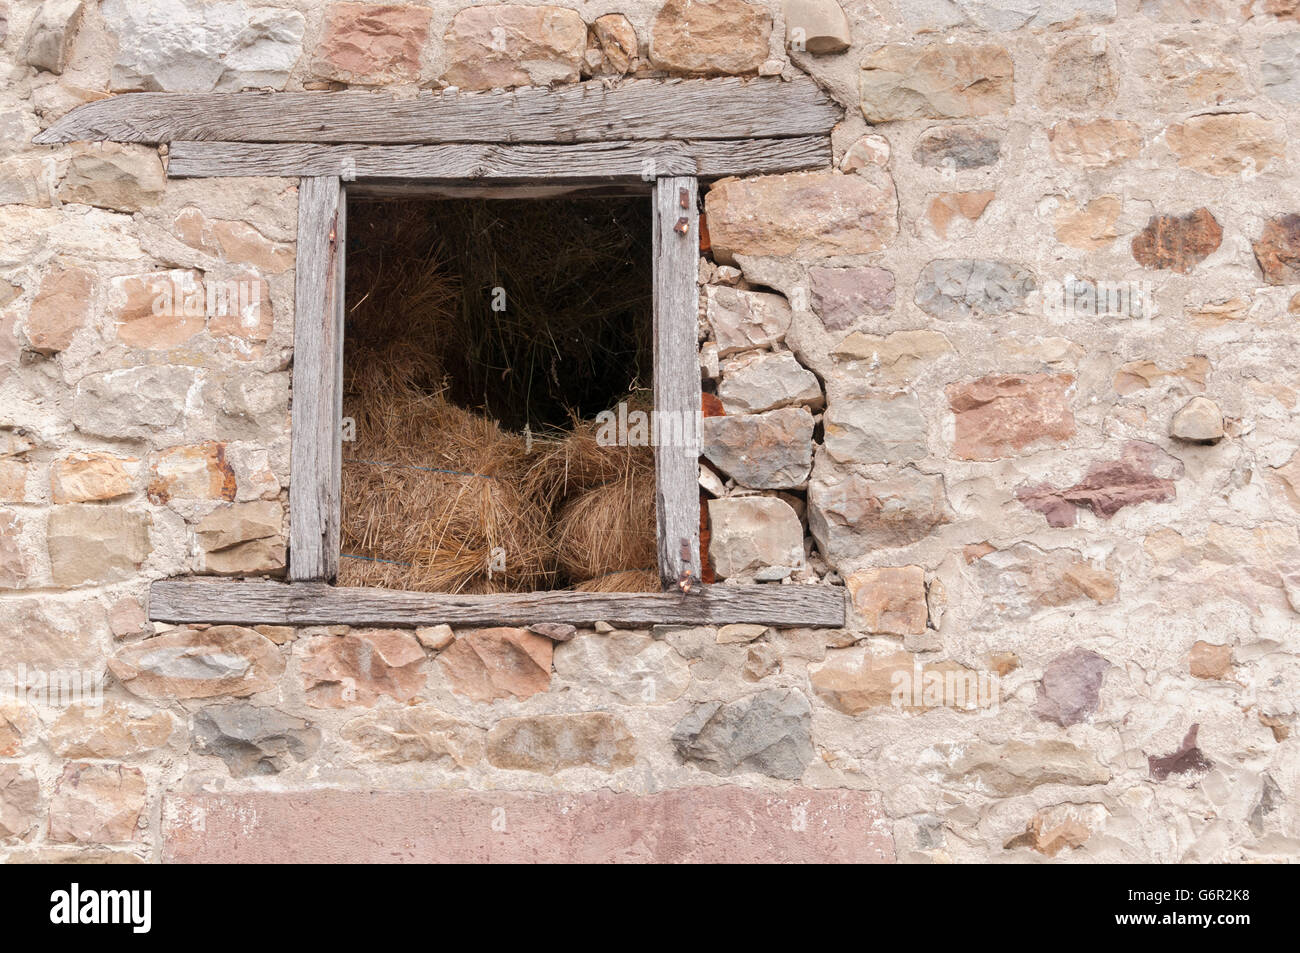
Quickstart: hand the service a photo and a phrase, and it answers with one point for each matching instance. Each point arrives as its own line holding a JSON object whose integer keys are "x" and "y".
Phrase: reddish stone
{"x": 1278, "y": 250}
{"x": 203, "y": 663}
{"x": 198, "y": 472}
{"x": 87, "y": 477}
{"x": 355, "y": 669}
{"x": 61, "y": 307}
{"x": 241, "y": 308}
{"x": 1143, "y": 474}
{"x": 936, "y": 81}
{"x": 373, "y": 43}
{"x": 890, "y": 599}
{"x": 233, "y": 241}
{"x": 687, "y": 825}
{"x": 710, "y": 38}
{"x": 802, "y": 215}
{"x": 1186, "y": 759}
{"x": 1282, "y": 9}
{"x": 1070, "y": 689}
{"x": 97, "y": 804}
{"x": 1178, "y": 242}
{"x": 127, "y": 617}
{"x": 499, "y": 46}
{"x": 487, "y": 664}
{"x": 20, "y": 800}
{"x": 708, "y": 575}
{"x": 13, "y": 480}
{"x": 1207, "y": 660}
{"x": 158, "y": 310}
{"x": 1000, "y": 414}
{"x": 947, "y": 206}
{"x": 840, "y": 296}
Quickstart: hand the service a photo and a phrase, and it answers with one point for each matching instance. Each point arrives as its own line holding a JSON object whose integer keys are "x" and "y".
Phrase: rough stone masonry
{"x": 1018, "y": 371}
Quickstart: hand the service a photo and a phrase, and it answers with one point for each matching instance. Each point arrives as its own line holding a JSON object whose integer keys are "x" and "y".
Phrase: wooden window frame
{"x": 315, "y": 511}
{"x": 525, "y": 143}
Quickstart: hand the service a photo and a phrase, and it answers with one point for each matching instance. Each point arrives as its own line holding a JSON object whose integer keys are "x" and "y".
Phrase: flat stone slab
{"x": 723, "y": 824}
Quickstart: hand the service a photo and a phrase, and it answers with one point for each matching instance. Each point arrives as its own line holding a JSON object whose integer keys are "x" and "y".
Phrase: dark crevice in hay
{"x": 434, "y": 484}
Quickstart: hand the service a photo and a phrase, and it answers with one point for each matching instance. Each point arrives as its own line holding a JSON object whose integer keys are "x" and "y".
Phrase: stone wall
{"x": 1018, "y": 371}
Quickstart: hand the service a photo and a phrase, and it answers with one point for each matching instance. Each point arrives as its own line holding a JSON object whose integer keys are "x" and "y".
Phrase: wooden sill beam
{"x": 263, "y": 602}
{"x": 629, "y": 161}
{"x": 682, "y": 109}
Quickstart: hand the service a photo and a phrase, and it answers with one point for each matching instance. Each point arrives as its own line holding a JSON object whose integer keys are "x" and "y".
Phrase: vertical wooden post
{"x": 317, "y": 449}
{"x": 677, "y": 381}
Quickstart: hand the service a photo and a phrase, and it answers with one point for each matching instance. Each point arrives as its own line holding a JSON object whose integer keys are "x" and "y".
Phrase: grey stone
{"x": 751, "y": 385}
{"x": 1021, "y": 581}
{"x": 253, "y": 740}
{"x": 95, "y": 543}
{"x": 416, "y": 733}
{"x": 816, "y": 26}
{"x": 25, "y": 180}
{"x": 122, "y": 178}
{"x": 1279, "y": 67}
{"x": 250, "y": 404}
{"x": 1070, "y": 689}
{"x": 195, "y": 47}
{"x": 555, "y": 631}
{"x": 1018, "y": 766}
{"x": 965, "y": 287}
{"x": 749, "y": 533}
{"x": 199, "y": 663}
{"x": 851, "y": 512}
{"x": 1002, "y": 16}
{"x": 1198, "y": 421}
{"x": 769, "y": 733}
{"x": 629, "y": 665}
{"x": 49, "y": 38}
{"x": 762, "y": 660}
{"x": 957, "y": 147}
{"x": 20, "y": 798}
{"x": 745, "y": 320}
{"x": 768, "y": 451}
{"x": 875, "y": 429}
{"x": 134, "y": 402}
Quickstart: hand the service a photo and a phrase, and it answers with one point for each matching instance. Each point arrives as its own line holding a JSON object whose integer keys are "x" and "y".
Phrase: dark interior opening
{"x": 533, "y": 310}
{"x": 482, "y": 337}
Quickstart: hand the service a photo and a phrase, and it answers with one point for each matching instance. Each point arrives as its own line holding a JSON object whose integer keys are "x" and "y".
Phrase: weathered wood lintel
{"x": 263, "y": 602}
{"x": 630, "y": 161}
{"x": 730, "y": 108}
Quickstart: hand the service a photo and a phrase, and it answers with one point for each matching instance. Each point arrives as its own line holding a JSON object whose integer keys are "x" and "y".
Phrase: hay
{"x": 632, "y": 580}
{"x": 430, "y": 491}
{"x": 402, "y": 295}
{"x": 575, "y": 461}
{"x": 434, "y": 494}
{"x": 608, "y": 529}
